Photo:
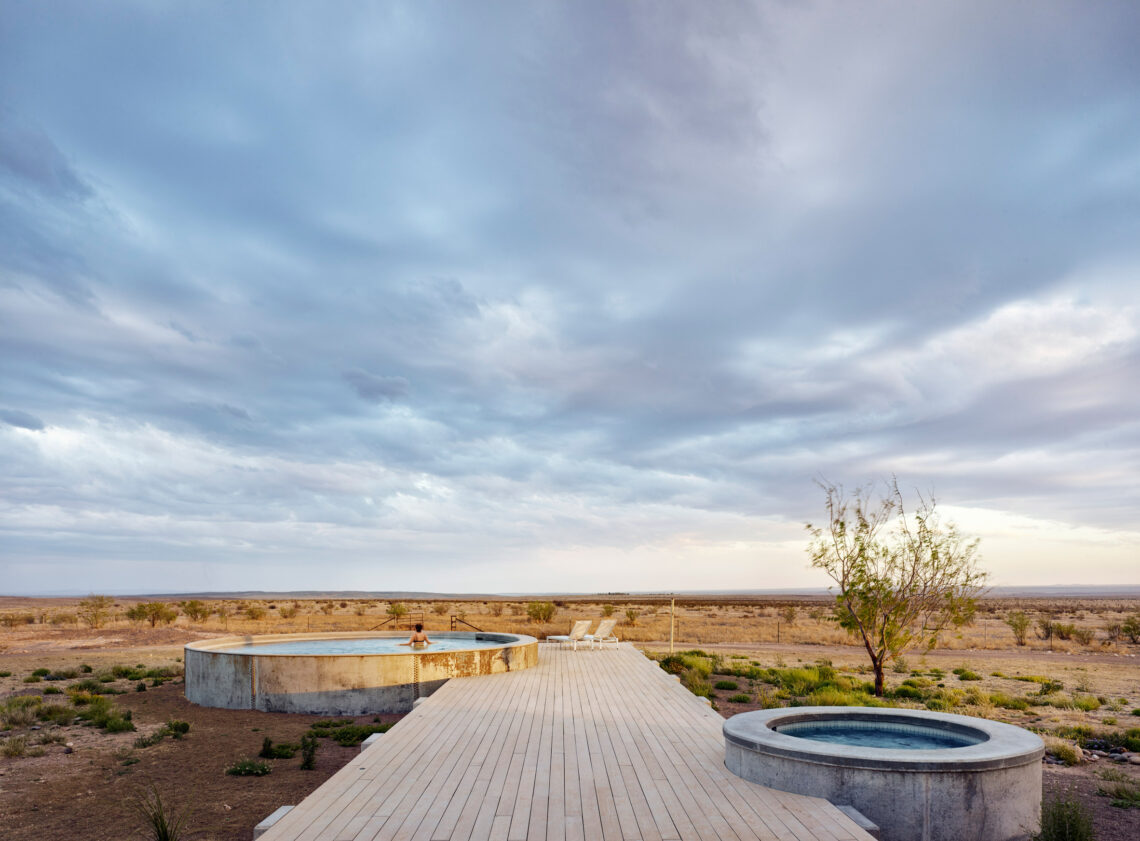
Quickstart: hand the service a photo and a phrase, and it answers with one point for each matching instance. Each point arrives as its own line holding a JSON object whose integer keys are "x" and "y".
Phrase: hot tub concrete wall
{"x": 339, "y": 684}
{"x": 986, "y": 792}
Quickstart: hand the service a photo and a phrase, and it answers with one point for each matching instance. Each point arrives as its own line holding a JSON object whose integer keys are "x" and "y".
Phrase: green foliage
{"x": 726, "y": 684}
{"x": 607, "y": 610}
{"x": 740, "y": 698}
{"x": 177, "y": 729}
{"x": 309, "y": 751}
{"x": 56, "y": 713}
{"x": 346, "y": 733}
{"x": 1067, "y": 753}
{"x": 14, "y": 746}
{"x": 195, "y": 610}
{"x": 1065, "y": 819}
{"x": 1130, "y": 627}
{"x": 1019, "y": 623}
{"x": 397, "y": 610}
{"x": 152, "y": 612}
{"x": 831, "y": 696}
{"x": 5, "y": 674}
{"x": 631, "y": 615}
{"x": 249, "y": 768}
{"x": 1086, "y": 703}
{"x": 160, "y": 821}
{"x": 540, "y": 611}
{"x": 103, "y": 713}
{"x": 965, "y": 674}
{"x": 1123, "y": 790}
{"x": 1008, "y": 702}
{"x": 895, "y": 590}
{"x": 281, "y": 750}
{"x": 256, "y": 612}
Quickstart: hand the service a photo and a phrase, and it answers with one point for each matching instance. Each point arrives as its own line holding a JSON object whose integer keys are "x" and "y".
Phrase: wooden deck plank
{"x": 589, "y": 744}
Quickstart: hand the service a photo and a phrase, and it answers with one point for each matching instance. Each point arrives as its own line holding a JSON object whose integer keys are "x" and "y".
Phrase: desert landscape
{"x": 95, "y": 722}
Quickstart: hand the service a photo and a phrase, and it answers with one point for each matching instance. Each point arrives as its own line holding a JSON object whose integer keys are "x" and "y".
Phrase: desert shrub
{"x": 95, "y": 610}
{"x": 1008, "y": 702}
{"x": 254, "y": 612}
{"x": 62, "y": 674}
{"x": 696, "y": 681}
{"x": 14, "y": 746}
{"x": 1086, "y": 703}
{"x": 439, "y": 608}
{"x": 308, "y": 751}
{"x": 631, "y": 615}
{"x": 345, "y": 733}
{"x": 152, "y": 612}
{"x": 103, "y": 713}
{"x": 1065, "y": 819}
{"x": 912, "y": 693}
{"x": 1067, "y": 752}
{"x": 1018, "y": 623}
{"x": 540, "y": 611}
{"x": 1084, "y": 636}
{"x": 831, "y": 696}
{"x": 18, "y": 711}
{"x": 177, "y": 728}
{"x": 965, "y": 674}
{"x": 607, "y": 610}
{"x": 57, "y": 713}
{"x": 195, "y": 610}
{"x": 1131, "y": 627}
{"x": 151, "y": 740}
{"x": 160, "y": 821}
{"x": 976, "y": 697}
{"x": 799, "y": 681}
{"x": 937, "y": 674}
{"x": 726, "y": 684}
{"x": 249, "y": 768}
{"x": 282, "y": 750}
{"x": 33, "y": 679}
{"x": 5, "y": 674}
{"x": 1064, "y": 631}
{"x": 740, "y": 698}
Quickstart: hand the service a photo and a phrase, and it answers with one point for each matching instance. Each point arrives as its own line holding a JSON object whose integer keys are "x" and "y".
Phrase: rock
{"x": 69, "y": 750}
{"x": 1134, "y": 759}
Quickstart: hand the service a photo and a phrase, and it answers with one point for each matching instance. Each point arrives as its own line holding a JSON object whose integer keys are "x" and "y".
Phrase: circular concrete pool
{"x": 917, "y": 774}
{"x": 342, "y": 673}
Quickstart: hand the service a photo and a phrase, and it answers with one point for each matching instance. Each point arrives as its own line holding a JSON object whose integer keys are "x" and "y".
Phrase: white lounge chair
{"x": 604, "y": 634}
{"x": 574, "y": 637}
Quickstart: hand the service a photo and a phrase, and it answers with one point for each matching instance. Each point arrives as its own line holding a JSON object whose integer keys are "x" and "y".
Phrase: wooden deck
{"x": 587, "y": 746}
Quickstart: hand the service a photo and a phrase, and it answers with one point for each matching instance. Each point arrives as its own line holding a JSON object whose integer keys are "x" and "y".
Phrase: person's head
{"x": 419, "y": 628}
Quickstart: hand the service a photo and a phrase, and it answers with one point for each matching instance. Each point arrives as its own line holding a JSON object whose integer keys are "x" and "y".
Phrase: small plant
{"x": 161, "y": 822}
{"x": 439, "y": 608}
{"x": 1086, "y": 703}
{"x": 283, "y": 750}
{"x": 1018, "y": 622}
{"x": 607, "y": 610}
{"x": 1066, "y": 752}
{"x": 5, "y": 674}
{"x": 249, "y": 768}
{"x": 309, "y": 751}
{"x": 726, "y": 684}
{"x": 177, "y": 729}
{"x": 965, "y": 674}
{"x": 740, "y": 698}
{"x": 1065, "y": 819}
{"x": 540, "y": 611}
{"x": 14, "y": 746}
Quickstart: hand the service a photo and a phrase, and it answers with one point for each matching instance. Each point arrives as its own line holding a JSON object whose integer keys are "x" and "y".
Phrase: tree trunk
{"x": 878, "y": 665}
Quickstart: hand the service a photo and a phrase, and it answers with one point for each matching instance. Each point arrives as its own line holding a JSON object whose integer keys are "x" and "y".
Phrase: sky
{"x": 561, "y": 297}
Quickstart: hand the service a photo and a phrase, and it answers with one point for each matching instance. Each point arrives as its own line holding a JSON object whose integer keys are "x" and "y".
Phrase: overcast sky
{"x": 582, "y": 296}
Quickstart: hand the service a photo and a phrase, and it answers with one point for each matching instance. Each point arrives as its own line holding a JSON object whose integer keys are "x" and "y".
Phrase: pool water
{"x": 372, "y": 645}
{"x": 878, "y": 735}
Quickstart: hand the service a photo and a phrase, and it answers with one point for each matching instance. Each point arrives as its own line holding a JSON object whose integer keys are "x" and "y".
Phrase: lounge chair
{"x": 604, "y": 634}
{"x": 577, "y": 633}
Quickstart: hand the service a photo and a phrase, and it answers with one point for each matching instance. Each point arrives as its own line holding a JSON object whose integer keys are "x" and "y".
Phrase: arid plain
{"x": 1075, "y": 680}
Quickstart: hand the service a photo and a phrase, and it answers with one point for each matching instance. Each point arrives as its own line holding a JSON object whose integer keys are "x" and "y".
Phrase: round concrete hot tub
{"x": 343, "y": 673}
{"x": 921, "y": 776}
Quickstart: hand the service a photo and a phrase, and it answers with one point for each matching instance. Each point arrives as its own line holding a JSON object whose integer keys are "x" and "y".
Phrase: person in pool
{"x": 418, "y": 637}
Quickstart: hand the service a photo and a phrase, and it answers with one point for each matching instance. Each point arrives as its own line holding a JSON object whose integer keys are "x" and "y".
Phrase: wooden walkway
{"x": 586, "y": 746}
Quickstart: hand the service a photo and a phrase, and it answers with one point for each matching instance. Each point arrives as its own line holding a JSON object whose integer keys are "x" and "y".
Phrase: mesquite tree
{"x": 901, "y": 579}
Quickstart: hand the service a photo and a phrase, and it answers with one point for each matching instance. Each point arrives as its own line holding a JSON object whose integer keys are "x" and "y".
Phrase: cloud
{"x": 375, "y": 387}
{"x": 648, "y": 279}
{"x": 21, "y": 420}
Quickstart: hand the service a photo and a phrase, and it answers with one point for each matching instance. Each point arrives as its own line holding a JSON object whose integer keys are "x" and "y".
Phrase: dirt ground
{"x": 86, "y": 781}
